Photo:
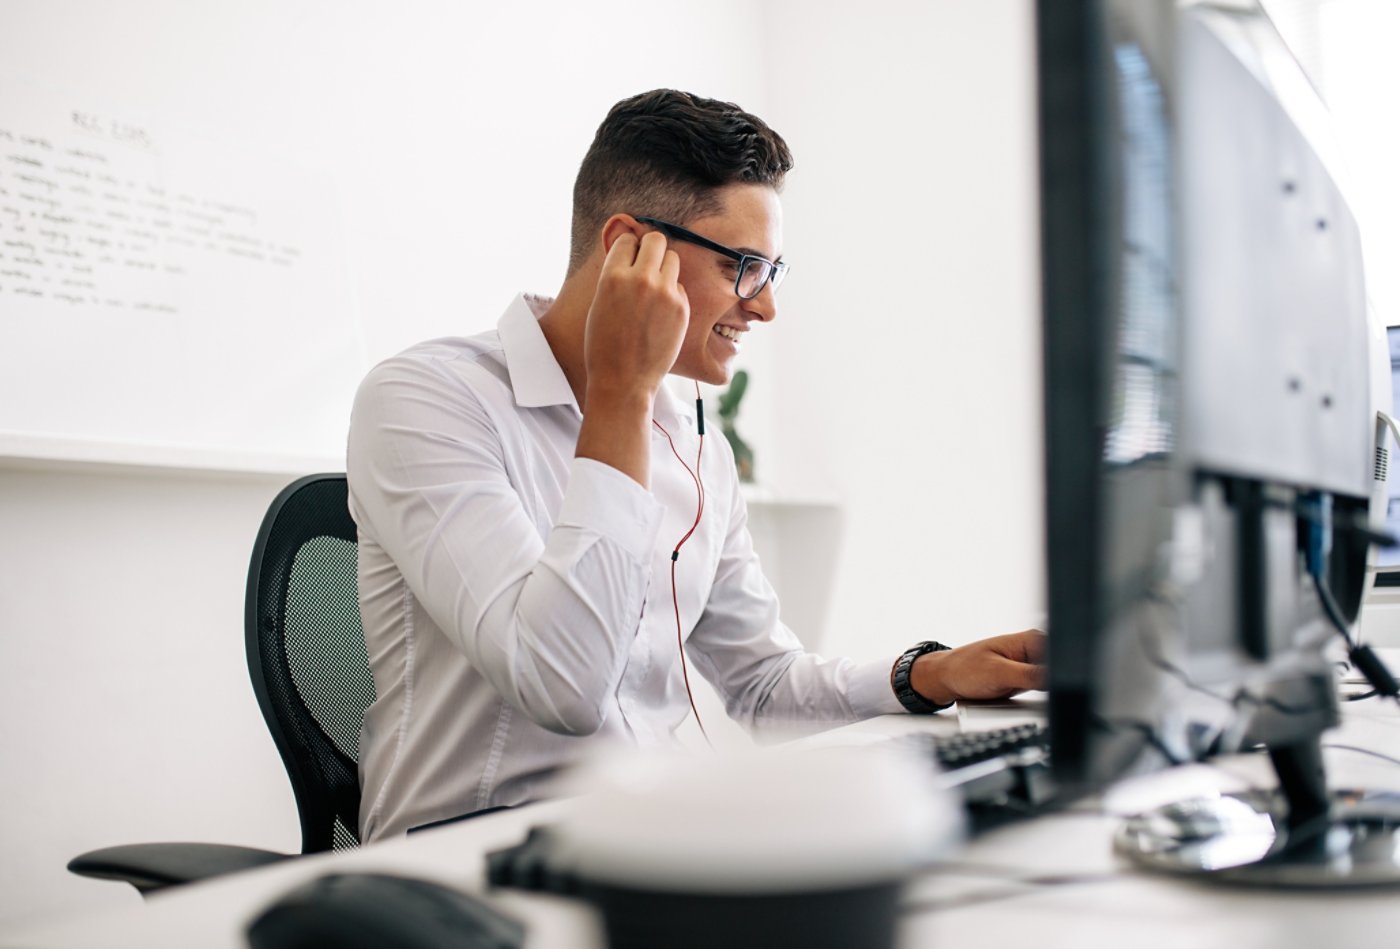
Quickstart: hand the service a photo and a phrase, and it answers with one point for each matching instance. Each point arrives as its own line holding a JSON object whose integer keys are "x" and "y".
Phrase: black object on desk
{"x": 1003, "y": 774}
{"x": 532, "y": 864}
{"x": 647, "y": 919}
{"x": 372, "y": 910}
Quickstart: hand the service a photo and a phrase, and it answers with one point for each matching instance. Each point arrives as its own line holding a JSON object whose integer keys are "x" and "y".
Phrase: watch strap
{"x": 903, "y": 691}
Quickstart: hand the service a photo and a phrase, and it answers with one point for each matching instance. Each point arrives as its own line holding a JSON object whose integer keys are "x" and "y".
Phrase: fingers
{"x": 647, "y": 254}
{"x": 622, "y": 253}
{"x": 989, "y": 675}
{"x": 638, "y": 318}
{"x": 644, "y": 256}
{"x": 1029, "y": 645}
{"x": 1021, "y": 665}
{"x": 1021, "y": 676}
{"x": 1032, "y": 645}
{"x": 993, "y": 668}
{"x": 671, "y": 269}
{"x": 651, "y": 251}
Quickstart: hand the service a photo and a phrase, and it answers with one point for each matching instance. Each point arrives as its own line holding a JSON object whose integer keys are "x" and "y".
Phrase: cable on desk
{"x": 1241, "y": 695}
{"x": 997, "y": 871}
{"x": 1154, "y": 655}
{"x": 1316, "y": 509}
{"x": 1202, "y": 756}
{"x": 1363, "y": 751}
{"x": 1030, "y": 884}
{"x": 1148, "y": 733}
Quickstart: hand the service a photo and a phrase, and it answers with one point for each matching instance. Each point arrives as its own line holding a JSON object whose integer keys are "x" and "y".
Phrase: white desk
{"x": 980, "y": 898}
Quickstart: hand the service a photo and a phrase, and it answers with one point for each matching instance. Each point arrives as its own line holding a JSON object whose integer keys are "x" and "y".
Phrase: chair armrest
{"x": 150, "y": 867}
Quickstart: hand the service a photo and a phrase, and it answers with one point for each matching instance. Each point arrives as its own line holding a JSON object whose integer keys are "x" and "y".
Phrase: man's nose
{"x": 764, "y": 306}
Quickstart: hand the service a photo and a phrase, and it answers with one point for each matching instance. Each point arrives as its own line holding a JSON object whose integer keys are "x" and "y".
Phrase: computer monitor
{"x": 1210, "y": 429}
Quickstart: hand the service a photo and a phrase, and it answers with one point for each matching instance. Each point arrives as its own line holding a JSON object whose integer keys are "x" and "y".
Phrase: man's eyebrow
{"x": 754, "y": 252}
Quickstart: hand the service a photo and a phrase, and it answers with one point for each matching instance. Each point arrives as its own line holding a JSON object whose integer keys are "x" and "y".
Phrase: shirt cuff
{"x": 869, "y": 690}
{"x": 604, "y": 501}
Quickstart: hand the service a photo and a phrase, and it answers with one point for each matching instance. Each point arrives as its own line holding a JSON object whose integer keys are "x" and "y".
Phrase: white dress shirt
{"x": 517, "y": 600}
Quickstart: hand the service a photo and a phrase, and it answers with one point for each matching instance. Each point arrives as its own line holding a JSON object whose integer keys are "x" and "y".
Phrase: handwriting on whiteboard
{"x": 88, "y": 218}
{"x": 167, "y": 285}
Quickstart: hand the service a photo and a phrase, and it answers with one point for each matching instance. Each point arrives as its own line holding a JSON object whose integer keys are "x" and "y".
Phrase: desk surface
{"x": 1053, "y": 881}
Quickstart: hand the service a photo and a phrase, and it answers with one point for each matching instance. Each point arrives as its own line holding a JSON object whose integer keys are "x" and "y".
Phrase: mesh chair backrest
{"x": 306, "y": 653}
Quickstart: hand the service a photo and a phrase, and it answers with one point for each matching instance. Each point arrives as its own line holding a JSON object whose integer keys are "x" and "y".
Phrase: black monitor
{"x": 1210, "y": 429}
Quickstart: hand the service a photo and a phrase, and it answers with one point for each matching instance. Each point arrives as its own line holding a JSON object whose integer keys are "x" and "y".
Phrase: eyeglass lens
{"x": 755, "y": 273}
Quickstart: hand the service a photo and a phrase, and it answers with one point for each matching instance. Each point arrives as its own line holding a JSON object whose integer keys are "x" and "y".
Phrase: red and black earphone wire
{"x": 676, "y": 552}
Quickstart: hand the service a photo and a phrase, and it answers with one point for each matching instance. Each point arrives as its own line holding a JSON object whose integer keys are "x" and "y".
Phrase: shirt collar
{"x": 536, "y": 377}
{"x": 670, "y": 409}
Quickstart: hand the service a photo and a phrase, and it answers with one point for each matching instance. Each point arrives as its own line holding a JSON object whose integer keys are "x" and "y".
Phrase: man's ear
{"x": 617, "y": 225}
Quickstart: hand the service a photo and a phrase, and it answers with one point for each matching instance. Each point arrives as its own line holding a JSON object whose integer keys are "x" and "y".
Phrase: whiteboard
{"x": 166, "y": 297}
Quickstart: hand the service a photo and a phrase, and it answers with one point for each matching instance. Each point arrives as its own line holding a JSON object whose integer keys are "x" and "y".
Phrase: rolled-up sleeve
{"x": 546, "y": 612}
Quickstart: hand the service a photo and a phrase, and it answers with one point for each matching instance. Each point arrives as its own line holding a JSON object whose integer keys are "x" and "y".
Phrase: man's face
{"x": 751, "y": 222}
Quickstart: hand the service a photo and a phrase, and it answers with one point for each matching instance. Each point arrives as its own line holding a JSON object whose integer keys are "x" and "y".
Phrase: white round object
{"x": 770, "y": 821}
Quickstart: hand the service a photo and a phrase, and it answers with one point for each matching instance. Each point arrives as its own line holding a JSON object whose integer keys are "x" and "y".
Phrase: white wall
{"x": 908, "y": 357}
{"x": 1379, "y": 624}
{"x": 126, "y": 712}
{"x": 453, "y": 131}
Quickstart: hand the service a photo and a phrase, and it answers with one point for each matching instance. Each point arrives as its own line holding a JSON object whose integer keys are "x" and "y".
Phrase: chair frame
{"x": 324, "y": 780}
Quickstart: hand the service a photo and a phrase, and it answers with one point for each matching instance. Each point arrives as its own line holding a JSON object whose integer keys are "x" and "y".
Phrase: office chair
{"x": 310, "y": 672}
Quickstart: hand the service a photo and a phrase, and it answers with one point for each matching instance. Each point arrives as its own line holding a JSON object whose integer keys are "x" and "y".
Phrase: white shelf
{"x": 37, "y": 452}
{"x": 764, "y": 495}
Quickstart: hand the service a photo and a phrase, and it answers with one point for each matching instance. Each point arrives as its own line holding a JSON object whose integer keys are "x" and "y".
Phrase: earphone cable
{"x": 676, "y": 552}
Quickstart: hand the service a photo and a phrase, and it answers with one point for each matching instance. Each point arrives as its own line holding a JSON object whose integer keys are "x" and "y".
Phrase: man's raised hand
{"x": 638, "y": 318}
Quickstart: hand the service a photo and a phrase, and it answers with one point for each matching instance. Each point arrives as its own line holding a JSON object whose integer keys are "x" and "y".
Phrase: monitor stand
{"x": 1297, "y": 836}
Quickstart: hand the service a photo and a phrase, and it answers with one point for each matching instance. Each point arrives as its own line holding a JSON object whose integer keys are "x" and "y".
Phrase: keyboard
{"x": 1002, "y": 774}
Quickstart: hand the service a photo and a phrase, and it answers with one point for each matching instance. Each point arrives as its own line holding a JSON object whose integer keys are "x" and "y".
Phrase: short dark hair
{"x": 662, "y": 154}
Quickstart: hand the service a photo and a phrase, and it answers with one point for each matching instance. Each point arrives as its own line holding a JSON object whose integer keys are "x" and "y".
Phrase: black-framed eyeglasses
{"x": 754, "y": 272}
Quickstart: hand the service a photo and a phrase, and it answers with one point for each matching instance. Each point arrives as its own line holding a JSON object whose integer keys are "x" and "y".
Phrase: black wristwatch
{"x": 903, "y": 691}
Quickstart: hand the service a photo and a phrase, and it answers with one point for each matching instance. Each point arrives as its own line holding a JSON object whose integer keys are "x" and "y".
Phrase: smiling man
{"x": 542, "y": 524}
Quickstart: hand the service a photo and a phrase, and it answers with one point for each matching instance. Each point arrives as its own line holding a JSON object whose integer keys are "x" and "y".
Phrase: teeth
{"x": 728, "y": 333}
